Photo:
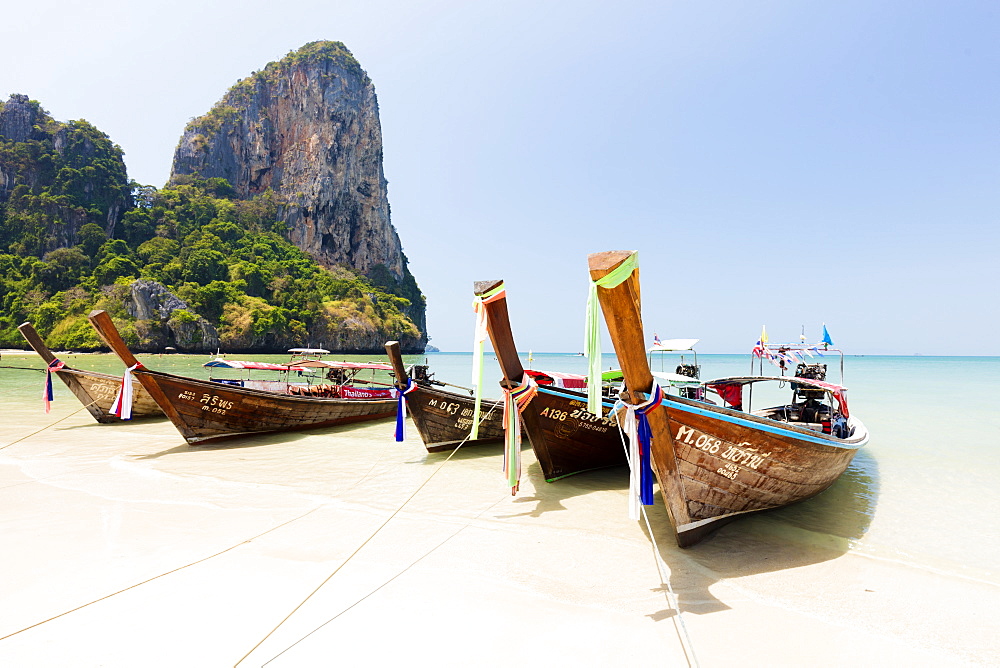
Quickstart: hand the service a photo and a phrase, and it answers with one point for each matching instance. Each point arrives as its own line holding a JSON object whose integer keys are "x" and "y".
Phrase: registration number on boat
{"x": 577, "y": 414}
{"x": 210, "y": 401}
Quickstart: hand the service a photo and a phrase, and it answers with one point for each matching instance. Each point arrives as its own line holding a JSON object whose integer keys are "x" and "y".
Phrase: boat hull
{"x": 97, "y": 392}
{"x": 203, "y": 411}
{"x": 731, "y": 463}
{"x": 444, "y": 419}
{"x": 566, "y": 438}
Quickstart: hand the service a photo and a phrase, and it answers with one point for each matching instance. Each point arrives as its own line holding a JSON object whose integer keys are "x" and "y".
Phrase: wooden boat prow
{"x": 715, "y": 463}
{"x": 443, "y": 418}
{"x": 566, "y": 439}
{"x": 96, "y": 391}
{"x": 204, "y": 410}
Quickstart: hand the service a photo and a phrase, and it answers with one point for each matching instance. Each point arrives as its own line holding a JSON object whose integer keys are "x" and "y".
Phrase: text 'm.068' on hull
{"x": 715, "y": 463}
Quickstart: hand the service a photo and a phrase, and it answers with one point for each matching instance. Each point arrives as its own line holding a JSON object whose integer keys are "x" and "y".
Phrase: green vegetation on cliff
{"x": 65, "y": 185}
{"x": 64, "y": 176}
{"x": 228, "y": 259}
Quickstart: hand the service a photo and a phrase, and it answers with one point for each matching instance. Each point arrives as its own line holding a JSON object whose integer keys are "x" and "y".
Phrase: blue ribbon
{"x": 645, "y": 445}
{"x": 401, "y": 410}
{"x": 48, "y": 382}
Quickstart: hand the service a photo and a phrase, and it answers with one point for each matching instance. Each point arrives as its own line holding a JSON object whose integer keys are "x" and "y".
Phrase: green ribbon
{"x": 477, "y": 354}
{"x": 592, "y": 336}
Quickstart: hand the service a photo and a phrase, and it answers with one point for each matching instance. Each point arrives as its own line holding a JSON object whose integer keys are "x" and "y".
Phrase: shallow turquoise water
{"x": 923, "y": 492}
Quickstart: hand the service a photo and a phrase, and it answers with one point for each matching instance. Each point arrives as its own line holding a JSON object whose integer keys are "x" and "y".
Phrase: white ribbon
{"x": 630, "y": 425}
{"x": 122, "y": 407}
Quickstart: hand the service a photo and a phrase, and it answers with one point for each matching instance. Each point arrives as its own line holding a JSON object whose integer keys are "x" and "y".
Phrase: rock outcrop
{"x": 163, "y": 319}
{"x": 308, "y": 128}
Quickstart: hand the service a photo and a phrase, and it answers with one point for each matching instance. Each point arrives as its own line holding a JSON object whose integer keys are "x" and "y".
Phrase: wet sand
{"x": 122, "y": 546}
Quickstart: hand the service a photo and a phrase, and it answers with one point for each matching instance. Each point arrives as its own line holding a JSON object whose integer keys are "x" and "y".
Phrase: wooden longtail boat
{"x": 566, "y": 438}
{"x": 96, "y": 391}
{"x": 204, "y": 410}
{"x": 715, "y": 463}
{"x": 444, "y": 418}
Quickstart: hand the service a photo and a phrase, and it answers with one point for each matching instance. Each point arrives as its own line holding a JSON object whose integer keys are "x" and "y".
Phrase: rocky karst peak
{"x": 307, "y": 127}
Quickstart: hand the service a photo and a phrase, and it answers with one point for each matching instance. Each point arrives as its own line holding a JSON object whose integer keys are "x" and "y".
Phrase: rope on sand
{"x": 360, "y": 547}
{"x": 175, "y": 570}
{"x": 682, "y": 634}
{"x": 51, "y": 424}
{"x": 390, "y": 580}
{"x": 155, "y": 577}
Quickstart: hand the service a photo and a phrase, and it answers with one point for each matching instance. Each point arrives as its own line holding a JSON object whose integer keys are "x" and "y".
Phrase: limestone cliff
{"x": 307, "y": 128}
{"x": 54, "y": 179}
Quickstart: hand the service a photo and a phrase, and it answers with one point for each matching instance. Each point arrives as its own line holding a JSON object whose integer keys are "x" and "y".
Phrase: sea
{"x": 924, "y": 492}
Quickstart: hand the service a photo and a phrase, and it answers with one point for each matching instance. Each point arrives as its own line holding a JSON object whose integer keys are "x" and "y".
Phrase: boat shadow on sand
{"x": 547, "y": 497}
{"x": 809, "y": 532}
{"x": 263, "y": 440}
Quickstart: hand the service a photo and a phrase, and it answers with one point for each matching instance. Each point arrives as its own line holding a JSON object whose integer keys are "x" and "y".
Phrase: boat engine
{"x": 420, "y": 374}
{"x": 691, "y": 371}
{"x": 338, "y": 376}
{"x": 807, "y": 400}
{"x": 812, "y": 372}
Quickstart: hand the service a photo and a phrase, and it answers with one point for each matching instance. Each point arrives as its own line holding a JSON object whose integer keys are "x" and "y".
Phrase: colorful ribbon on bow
{"x": 515, "y": 400}
{"x": 592, "y": 336}
{"x": 122, "y": 407}
{"x": 640, "y": 436}
{"x": 479, "y": 306}
{"x": 47, "y": 395}
{"x": 401, "y": 410}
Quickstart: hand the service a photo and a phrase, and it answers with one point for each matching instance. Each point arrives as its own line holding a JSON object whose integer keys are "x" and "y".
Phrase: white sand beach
{"x": 123, "y": 546}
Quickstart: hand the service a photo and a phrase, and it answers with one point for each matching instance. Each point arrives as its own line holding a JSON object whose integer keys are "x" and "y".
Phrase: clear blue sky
{"x": 788, "y": 163}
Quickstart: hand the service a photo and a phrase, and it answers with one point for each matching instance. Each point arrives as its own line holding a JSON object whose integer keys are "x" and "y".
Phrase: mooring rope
{"x": 193, "y": 563}
{"x": 390, "y": 580}
{"x": 51, "y": 424}
{"x": 23, "y": 368}
{"x": 232, "y": 547}
{"x": 155, "y": 577}
{"x": 365, "y": 542}
{"x": 682, "y": 633}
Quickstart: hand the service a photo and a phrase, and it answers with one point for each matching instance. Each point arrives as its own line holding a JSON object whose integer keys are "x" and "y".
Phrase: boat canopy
{"x": 673, "y": 345}
{"x": 676, "y": 379}
{"x": 239, "y": 364}
{"x": 308, "y": 351}
{"x": 672, "y": 379}
{"x": 570, "y": 381}
{"x": 332, "y": 364}
{"x": 839, "y": 392}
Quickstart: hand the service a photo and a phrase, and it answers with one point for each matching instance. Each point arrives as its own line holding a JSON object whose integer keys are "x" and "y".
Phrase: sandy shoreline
{"x": 228, "y": 540}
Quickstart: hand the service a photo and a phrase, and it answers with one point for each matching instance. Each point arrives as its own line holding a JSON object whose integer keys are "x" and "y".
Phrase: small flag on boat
{"x": 827, "y": 341}
{"x": 760, "y": 350}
